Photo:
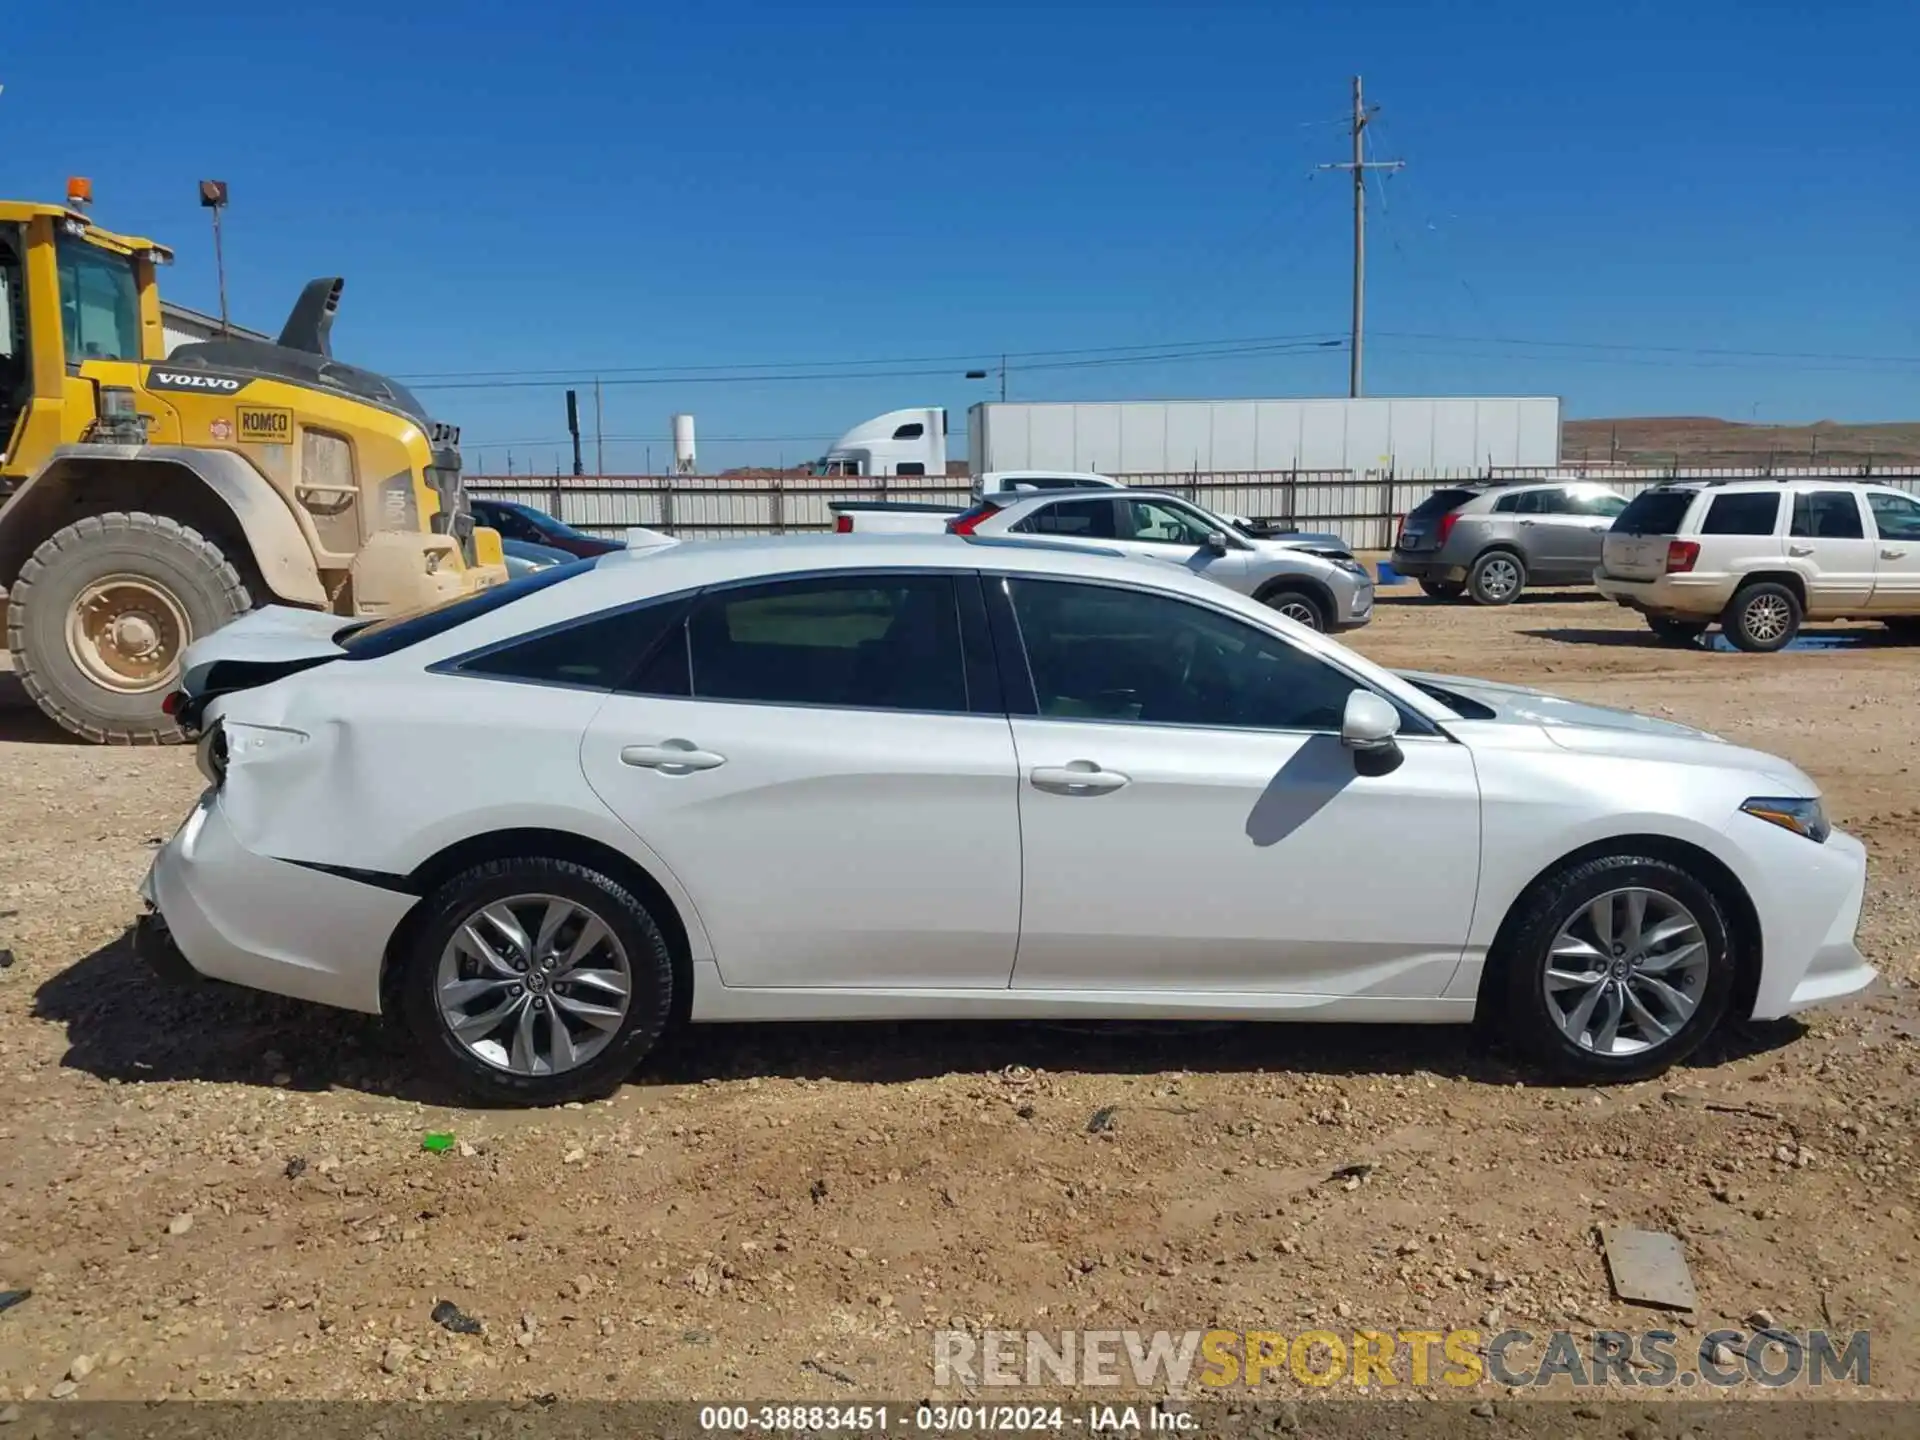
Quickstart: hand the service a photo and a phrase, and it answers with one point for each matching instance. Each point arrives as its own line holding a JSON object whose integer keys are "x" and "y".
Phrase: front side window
{"x": 1897, "y": 516}
{"x": 1154, "y": 522}
{"x": 880, "y": 642}
{"x": 1754, "y": 514}
{"x": 1826, "y": 515}
{"x": 99, "y": 302}
{"x": 1104, "y": 653}
{"x": 1078, "y": 519}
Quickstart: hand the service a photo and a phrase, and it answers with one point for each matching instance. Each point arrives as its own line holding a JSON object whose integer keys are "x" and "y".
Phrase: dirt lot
{"x": 218, "y": 1195}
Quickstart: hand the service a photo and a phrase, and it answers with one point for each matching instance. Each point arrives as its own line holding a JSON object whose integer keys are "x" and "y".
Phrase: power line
{"x": 1637, "y": 348}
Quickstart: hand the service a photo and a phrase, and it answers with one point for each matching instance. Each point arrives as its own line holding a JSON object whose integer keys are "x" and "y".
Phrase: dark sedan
{"x": 520, "y": 522}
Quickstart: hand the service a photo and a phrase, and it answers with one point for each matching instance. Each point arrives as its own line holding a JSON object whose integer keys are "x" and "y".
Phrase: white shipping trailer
{"x": 1162, "y": 437}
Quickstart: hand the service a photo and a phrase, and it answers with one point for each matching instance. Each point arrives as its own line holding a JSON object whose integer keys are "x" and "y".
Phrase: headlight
{"x": 1353, "y": 567}
{"x": 1803, "y": 817}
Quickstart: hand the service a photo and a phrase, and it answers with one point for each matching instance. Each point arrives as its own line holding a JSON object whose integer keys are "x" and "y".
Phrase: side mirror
{"x": 1216, "y": 542}
{"x": 1367, "y": 728}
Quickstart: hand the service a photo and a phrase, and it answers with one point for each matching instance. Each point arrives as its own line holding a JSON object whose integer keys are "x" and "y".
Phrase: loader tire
{"x": 101, "y": 613}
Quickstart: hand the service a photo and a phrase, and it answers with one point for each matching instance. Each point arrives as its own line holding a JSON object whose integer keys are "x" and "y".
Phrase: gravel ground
{"x": 218, "y": 1195}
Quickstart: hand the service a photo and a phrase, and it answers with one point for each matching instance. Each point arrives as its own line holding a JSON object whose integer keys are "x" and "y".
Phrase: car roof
{"x": 1036, "y": 498}
{"x": 1788, "y": 483}
{"x": 699, "y": 562}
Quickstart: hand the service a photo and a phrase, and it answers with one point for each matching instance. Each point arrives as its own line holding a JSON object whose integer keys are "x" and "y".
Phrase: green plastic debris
{"x": 437, "y": 1141}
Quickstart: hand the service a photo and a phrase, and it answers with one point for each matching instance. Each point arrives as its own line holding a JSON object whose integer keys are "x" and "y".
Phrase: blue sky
{"x": 597, "y": 186}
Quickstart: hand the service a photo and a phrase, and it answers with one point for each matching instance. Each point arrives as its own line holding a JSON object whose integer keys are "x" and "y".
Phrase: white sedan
{"x": 908, "y": 777}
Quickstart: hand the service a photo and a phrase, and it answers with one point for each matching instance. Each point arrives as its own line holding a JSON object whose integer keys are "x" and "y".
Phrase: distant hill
{"x": 1698, "y": 440}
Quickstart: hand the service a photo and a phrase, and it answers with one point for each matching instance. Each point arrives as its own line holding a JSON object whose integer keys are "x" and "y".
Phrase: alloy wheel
{"x": 1766, "y": 618}
{"x": 1627, "y": 971}
{"x": 1499, "y": 578}
{"x": 533, "y": 984}
{"x": 1302, "y": 613}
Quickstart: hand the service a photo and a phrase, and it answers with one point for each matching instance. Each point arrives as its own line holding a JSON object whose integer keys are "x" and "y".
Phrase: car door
{"x": 1896, "y": 567}
{"x": 1092, "y": 519}
{"x": 1828, "y": 546}
{"x": 1190, "y": 820}
{"x": 1173, "y": 534}
{"x": 830, "y": 778}
{"x": 1592, "y": 513}
{"x": 1552, "y": 533}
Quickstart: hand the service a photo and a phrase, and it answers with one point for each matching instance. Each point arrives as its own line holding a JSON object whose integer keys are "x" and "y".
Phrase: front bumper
{"x": 230, "y": 914}
{"x": 1353, "y": 609}
{"x": 1809, "y": 922}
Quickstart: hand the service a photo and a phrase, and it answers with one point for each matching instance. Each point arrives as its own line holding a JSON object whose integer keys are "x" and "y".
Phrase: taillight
{"x": 966, "y": 524}
{"x": 170, "y": 706}
{"x": 1446, "y": 525}
{"x": 1680, "y": 556}
{"x": 843, "y": 524}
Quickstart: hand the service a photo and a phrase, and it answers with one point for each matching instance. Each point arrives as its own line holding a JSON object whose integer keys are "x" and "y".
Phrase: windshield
{"x": 99, "y": 302}
{"x": 1440, "y": 502}
{"x": 397, "y": 632}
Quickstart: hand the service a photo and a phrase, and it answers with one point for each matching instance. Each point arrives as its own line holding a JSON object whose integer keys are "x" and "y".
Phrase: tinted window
{"x": 1596, "y": 503}
{"x": 1741, "y": 515}
{"x": 1827, "y": 515}
{"x": 397, "y": 632}
{"x": 1084, "y": 519}
{"x": 1533, "y": 502}
{"x": 910, "y": 467}
{"x": 910, "y": 432}
{"x": 99, "y": 302}
{"x": 598, "y": 653}
{"x": 1098, "y": 653}
{"x": 1440, "y": 502}
{"x": 1897, "y": 516}
{"x": 1655, "y": 512}
{"x": 1157, "y": 523}
{"x": 511, "y": 524}
{"x": 884, "y": 642}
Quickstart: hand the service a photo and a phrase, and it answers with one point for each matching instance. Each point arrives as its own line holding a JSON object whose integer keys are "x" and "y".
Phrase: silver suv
{"x": 1491, "y": 541}
{"x": 1319, "y": 591}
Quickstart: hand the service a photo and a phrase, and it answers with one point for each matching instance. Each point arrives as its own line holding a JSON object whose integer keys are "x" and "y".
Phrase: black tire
{"x": 161, "y": 554}
{"x": 1762, "y": 617}
{"x": 1497, "y": 578}
{"x": 1297, "y": 605}
{"x": 1524, "y": 953}
{"x": 1443, "y": 589}
{"x": 1676, "y": 632}
{"x": 651, "y": 980}
{"x": 1903, "y": 627}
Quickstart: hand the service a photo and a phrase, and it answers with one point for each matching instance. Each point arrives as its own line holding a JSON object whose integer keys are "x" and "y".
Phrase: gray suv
{"x": 1491, "y": 541}
{"x": 1318, "y": 590}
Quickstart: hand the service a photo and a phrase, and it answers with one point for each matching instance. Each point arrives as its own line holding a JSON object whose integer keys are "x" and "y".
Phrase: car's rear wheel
{"x": 1497, "y": 578}
{"x": 1297, "y": 605}
{"x": 536, "y": 981}
{"x": 1762, "y": 617}
{"x": 1616, "y": 967}
{"x": 1676, "y": 632}
{"x": 1443, "y": 589}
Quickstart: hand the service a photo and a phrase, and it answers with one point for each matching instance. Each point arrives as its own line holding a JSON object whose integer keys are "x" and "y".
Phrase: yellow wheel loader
{"x": 147, "y": 499}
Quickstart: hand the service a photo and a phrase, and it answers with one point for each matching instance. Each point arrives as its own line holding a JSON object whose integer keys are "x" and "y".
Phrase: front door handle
{"x": 671, "y": 757}
{"x": 1798, "y": 551}
{"x": 1893, "y": 554}
{"x": 1598, "y": 529}
{"x": 1078, "y": 777}
{"x": 1526, "y": 523}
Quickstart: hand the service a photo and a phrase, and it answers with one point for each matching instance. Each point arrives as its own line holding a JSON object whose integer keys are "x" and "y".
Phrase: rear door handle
{"x": 671, "y": 757}
{"x": 1893, "y": 554}
{"x": 1078, "y": 777}
{"x": 1799, "y": 550}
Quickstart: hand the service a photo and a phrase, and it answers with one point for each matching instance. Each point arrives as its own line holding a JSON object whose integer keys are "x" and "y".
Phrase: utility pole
{"x": 1003, "y": 379}
{"x": 599, "y": 444}
{"x": 1360, "y": 165}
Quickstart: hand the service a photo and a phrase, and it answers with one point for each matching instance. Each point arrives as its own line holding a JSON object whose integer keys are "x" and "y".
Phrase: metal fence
{"x": 1363, "y": 507}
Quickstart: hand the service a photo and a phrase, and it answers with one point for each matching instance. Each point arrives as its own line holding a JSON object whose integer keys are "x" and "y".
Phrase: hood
{"x": 1516, "y": 704}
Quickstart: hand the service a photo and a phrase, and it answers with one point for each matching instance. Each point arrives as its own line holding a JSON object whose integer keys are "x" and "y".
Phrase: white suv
{"x": 1760, "y": 556}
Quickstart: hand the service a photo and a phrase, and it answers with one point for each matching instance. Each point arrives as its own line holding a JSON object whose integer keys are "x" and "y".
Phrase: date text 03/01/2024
{"x": 935, "y": 1419}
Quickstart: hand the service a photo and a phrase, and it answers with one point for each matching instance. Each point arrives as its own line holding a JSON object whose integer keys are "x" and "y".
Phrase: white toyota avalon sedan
{"x": 906, "y": 777}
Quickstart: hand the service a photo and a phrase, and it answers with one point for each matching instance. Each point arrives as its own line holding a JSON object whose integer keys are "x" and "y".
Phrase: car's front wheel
{"x": 1616, "y": 967}
{"x": 1497, "y": 578}
{"x": 536, "y": 981}
{"x": 1297, "y": 605}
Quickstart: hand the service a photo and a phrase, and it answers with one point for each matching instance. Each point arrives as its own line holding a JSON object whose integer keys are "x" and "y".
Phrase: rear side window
{"x": 1082, "y": 519}
{"x": 598, "y": 653}
{"x": 1742, "y": 515}
{"x": 397, "y": 632}
{"x": 1827, "y": 515}
{"x": 1440, "y": 502}
{"x": 1655, "y": 512}
{"x": 882, "y": 642}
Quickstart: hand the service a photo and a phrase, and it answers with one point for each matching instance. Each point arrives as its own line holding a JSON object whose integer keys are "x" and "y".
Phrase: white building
{"x": 190, "y": 327}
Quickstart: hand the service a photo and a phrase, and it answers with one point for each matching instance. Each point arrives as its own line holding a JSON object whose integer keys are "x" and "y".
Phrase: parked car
{"x": 523, "y": 558}
{"x": 1491, "y": 541}
{"x": 525, "y": 523}
{"x": 924, "y": 778}
{"x": 1319, "y": 592}
{"x": 910, "y": 516}
{"x": 1760, "y": 556}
